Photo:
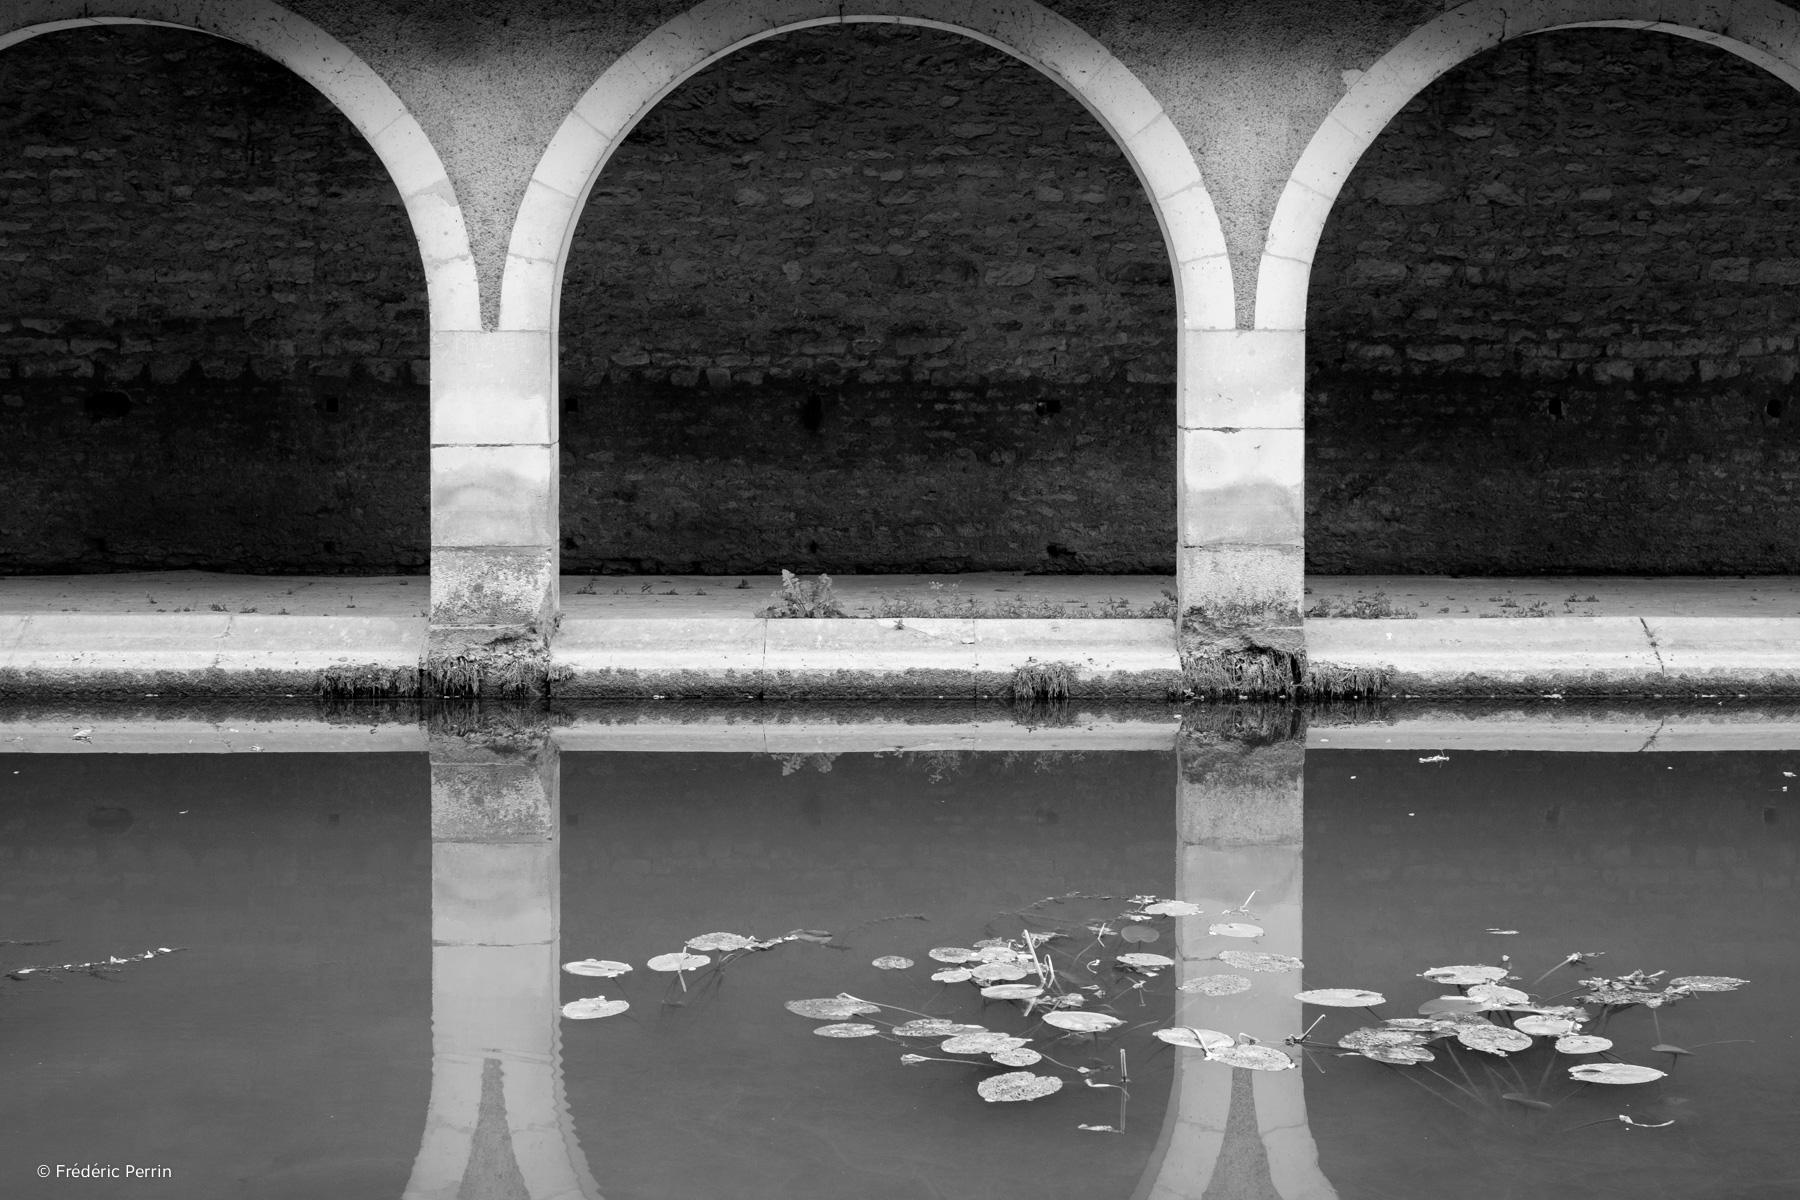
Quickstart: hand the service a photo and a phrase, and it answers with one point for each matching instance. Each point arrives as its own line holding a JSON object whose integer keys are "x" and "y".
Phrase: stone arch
{"x": 1763, "y": 32}
{"x": 530, "y": 292}
{"x": 335, "y": 71}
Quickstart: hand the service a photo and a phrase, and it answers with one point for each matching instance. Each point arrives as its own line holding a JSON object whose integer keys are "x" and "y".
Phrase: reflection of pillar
{"x": 498, "y": 1127}
{"x": 1230, "y": 1133}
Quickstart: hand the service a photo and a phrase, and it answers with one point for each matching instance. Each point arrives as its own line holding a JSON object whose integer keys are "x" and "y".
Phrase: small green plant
{"x": 804, "y": 598}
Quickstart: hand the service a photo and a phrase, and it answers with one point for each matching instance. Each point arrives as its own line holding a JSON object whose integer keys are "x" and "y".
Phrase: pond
{"x": 333, "y": 973}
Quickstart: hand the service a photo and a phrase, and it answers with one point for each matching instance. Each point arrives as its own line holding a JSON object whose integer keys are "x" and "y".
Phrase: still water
{"x": 365, "y": 994}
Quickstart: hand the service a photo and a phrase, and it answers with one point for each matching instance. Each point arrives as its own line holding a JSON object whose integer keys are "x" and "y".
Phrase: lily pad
{"x": 1540, "y": 1026}
{"x": 1492, "y": 995}
{"x": 1018, "y": 1056}
{"x": 892, "y": 962}
{"x": 1465, "y": 975}
{"x": 1612, "y": 1072}
{"x": 1399, "y": 1056}
{"x": 1141, "y": 959}
{"x": 594, "y": 1006}
{"x": 1707, "y": 983}
{"x": 1341, "y": 998}
{"x": 1017, "y": 1085}
{"x": 951, "y": 954}
{"x": 1194, "y": 1039}
{"x": 1255, "y": 1058}
{"x": 952, "y": 975}
{"x": 931, "y": 1027}
{"x": 1258, "y": 960}
{"x": 847, "y": 1029}
{"x": 998, "y": 972}
{"x": 599, "y": 968}
{"x": 1449, "y": 1004}
{"x": 981, "y": 1043}
{"x": 1368, "y": 1039}
{"x": 1001, "y": 954}
{"x": 1216, "y": 985}
{"x": 1082, "y": 1022}
{"x": 1493, "y": 1039}
{"x": 1582, "y": 1043}
{"x": 677, "y": 962}
{"x": 721, "y": 942}
{"x": 1235, "y": 929}
{"x": 1013, "y": 991}
{"x": 1174, "y": 908}
{"x": 1139, "y": 933}
{"x": 837, "y": 1008}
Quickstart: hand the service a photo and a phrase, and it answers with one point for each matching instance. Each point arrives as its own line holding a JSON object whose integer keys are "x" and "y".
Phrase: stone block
{"x": 492, "y": 388}
{"x": 493, "y": 496}
{"x": 1242, "y": 486}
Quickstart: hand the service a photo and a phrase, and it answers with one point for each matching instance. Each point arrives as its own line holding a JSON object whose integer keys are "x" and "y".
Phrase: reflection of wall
{"x": 283, "y": 1053}
{"x": 1683, "y": 862}
{"x": 926, "y": 235}
{"x": 1552, "y": 320}
{"x": 731, "y": 1095}
{"x": 212, "y": 338}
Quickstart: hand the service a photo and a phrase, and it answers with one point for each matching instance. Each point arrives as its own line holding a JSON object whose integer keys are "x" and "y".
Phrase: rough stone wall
{"x": 872, "y": 298}
{"x": 1553, "y": 321}
{"x": 212, "y": 322}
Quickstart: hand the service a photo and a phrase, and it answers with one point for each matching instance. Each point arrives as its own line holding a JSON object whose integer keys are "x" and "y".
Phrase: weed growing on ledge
{"x": 804, "y": 598}
{"x": 1368, "y": 608}
{"x": 951, "y": 602}
{"x": 1042, "y": 683}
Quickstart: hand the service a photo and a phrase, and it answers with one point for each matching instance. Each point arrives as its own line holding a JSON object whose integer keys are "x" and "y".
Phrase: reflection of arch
{"x": 1765, "y": 32}
{"x": 344, "y": 79}
{"x": 530, "y": 293}
{"x": 499, "y": 1123}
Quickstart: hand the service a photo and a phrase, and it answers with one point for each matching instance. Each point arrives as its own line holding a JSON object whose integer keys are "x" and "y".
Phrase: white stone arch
{"x": 1764, "y": 32}
{"x": 344, "y": 79}
{"x": 530, "y": 291}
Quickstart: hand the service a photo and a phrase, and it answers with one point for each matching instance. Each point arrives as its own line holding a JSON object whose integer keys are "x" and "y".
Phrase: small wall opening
{"x": 1552, "y": 321}
{"x": 213, "y": 343}
{"x": 868, "y": 298}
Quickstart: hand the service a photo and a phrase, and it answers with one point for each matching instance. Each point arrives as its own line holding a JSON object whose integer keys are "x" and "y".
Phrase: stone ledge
{"x": 1566, "y": 656}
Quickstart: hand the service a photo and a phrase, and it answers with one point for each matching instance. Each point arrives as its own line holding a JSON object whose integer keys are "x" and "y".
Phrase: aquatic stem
{"x": 1124, "y": 1096}
{"x": 1656, "y": 1022}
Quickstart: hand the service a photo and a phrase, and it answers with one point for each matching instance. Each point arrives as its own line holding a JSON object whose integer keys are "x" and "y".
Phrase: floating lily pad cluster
{"x": 728, "y": 946}
{"x": 1500, "y": 1022}
{"x": 1060, "y": 996}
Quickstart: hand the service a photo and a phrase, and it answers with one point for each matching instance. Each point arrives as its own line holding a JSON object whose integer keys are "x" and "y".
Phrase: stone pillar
{"x": 494, "y": 560}
{"x": 1230, "y": 1133}
{"x": 1241, "y": 509}
{"x": 498, "y": 1124}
